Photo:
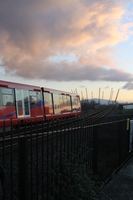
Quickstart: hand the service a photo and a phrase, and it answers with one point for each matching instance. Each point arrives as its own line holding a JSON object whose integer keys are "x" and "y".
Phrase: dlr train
{"x": 26, "y": 103}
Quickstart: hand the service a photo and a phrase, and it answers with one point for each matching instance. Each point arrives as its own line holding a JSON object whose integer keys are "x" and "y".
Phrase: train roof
{"x": 7, "y": 84}
{"x": 49, "y": 90}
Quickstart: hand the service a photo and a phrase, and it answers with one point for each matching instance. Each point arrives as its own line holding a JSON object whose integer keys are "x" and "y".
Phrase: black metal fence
{"x": 32, "y": 156}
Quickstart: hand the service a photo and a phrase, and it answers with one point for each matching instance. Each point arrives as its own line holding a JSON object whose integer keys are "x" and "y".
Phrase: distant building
{"x": 128, "y": 107}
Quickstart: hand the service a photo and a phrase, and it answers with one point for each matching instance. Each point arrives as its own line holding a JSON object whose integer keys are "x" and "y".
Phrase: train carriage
{"x": 19, "y": 101}
{"x": 26, "y": 102}
{"x": 59, "y": 104}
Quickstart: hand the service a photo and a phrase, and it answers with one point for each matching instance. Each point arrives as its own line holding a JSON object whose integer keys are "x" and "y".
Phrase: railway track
{"x": 89, "y": 118}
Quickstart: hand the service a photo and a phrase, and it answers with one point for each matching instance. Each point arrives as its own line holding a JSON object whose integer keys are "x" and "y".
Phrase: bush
{"x": 71, "y": 180}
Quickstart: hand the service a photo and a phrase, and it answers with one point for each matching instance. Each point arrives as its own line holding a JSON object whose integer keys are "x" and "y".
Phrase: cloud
{"x": 35, "y": 31}
{"x": 128, "y": 86}
{"x": 65, "y": 71}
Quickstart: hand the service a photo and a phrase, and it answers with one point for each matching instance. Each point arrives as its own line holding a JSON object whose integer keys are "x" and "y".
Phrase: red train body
{"x": 26, "y": 102}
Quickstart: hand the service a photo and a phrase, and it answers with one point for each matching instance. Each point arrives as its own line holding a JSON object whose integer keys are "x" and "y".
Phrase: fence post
{"x": 119, "y": 144}
{"x": 128, "y": 136}
{"x": 23, "y": 169}
{"x": 95, "y": 150}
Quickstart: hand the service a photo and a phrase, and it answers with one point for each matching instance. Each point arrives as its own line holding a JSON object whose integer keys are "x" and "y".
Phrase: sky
{"x": 73, "y": 45}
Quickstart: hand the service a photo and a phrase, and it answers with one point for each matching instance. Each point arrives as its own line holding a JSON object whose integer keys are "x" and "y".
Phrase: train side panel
{"x": 7, "y": 112}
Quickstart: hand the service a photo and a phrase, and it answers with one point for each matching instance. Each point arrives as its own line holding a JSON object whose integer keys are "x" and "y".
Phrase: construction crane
{"x": 86, "y": 95}
{"x": 99, "y": 95}
{"x": 111, "y": 94}
{"x": 117, "y": 95}
{"x": 92, "y": 95}
{"x": 82, "y": 95}
{"x": 102, "y": 94}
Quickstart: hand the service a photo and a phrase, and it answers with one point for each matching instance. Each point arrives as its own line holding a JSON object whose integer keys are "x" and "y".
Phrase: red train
{"x": 26, "y": 102}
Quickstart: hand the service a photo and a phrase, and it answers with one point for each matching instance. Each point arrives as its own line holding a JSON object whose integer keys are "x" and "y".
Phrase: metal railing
{"x": 31, "y": 154}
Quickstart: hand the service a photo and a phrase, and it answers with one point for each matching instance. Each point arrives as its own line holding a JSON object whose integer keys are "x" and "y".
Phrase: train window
{"x": 7, "y": 97}
{"x": 26, "y": 101}
{"x": 62, "y": 103}
{"x": 56, "y": 98}
{"x": 35, "y": 98}
{"x": 65, "y": 104}
{"x": 20, "y": 102}
{"x": 48, "y": 103}
{"x": 76, "y": 104}
{"x": 68, "y": 103}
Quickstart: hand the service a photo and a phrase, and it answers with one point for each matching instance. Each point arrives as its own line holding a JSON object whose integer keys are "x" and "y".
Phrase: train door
{"x": 22, "y": 103}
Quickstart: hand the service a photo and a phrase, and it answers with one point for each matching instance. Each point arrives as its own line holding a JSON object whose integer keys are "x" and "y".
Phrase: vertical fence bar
{"x": 77, "y": 137}
{"x": 31, "y": 158}
{"x": 42, "y": 159}
{"x": 47, "y": 159}
{"x": 89, "y": 147}
{"x": 119, "y": 143}
{"x": 52, "y": 158}
{"x": 37, "y": 161}
{"x": 127, "y": 139}
{"x": 56, "y": 135}
{"x": 83, "y": 142}
{"x": 64, "y": 135}
{"x": 128, "y": 134}
{"x": 11, "y": 161}
{"x": 4, "y": 143}
{"x": 71, "y": 130}
{"x": 95, "y": 150}
{"x": 74, "y": 138}
{"x": 61, "y": 133}
{"x": 68, "y": 124}
{"x": 4, "y": 125}
{"x": 86, "y": 144}
{"x": 18, "y": 132}
{"x": 23, "y": 169}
